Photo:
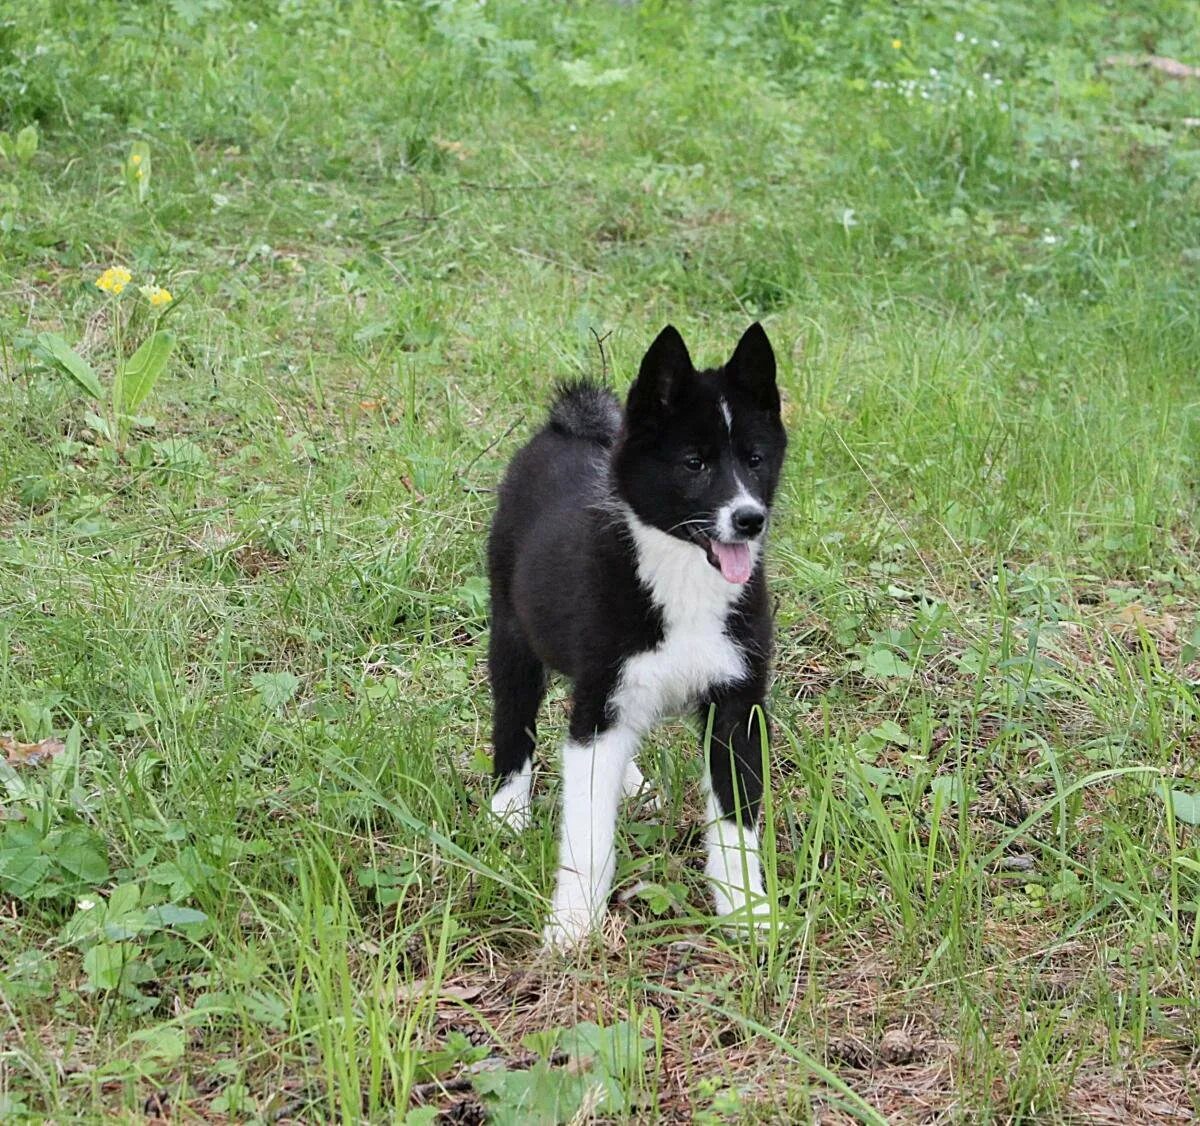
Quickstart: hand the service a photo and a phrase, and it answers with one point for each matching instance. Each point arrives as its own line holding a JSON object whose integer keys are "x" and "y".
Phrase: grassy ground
{"x": 255, "y": 881}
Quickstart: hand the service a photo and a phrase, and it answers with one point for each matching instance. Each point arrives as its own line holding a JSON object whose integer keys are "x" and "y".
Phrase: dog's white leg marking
{"x": 633, "y": 781}
{"x": 592, "y": 774}
{"x": 733, "y": 867}
{"x": 510, "y": 803}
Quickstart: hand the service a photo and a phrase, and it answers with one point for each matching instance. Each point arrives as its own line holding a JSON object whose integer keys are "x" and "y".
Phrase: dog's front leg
{"x": 593, "y": 770}
{"x": 736, "y": 756}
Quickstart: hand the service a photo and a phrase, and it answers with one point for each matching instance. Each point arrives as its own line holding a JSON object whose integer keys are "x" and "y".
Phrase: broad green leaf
{"x": 103, "y": 964}
{"x": 542, "y": 1042}
{"x": 86, "y": 925}
{"x": 138, "y": 375}
{"x": 169, "y": 915}
{"x": 22, "y": 869}
{"x": 163, "y": 1043}
{"x": 100, "y": 425}
{"x": 473, "y": 594}
{"x": 889, "y": 731}
{"x": 538, "y": 1095}
{"x": 422, "y": 1116}
{"x": 1191, "y": 647}
{"x": 27, "y": 143}
{"x": 619, "y": 1048}
{"x": 71, "y": 363}
{"x": 80, "y": 852}
{"x": 123, "y": 900}
{"x": 949, "y": 786}
{"x": 1186, "y": 806}
{"x": 125, "y": 928}
{"x": 884, "y": 663}
{"x": 275, "y": 688}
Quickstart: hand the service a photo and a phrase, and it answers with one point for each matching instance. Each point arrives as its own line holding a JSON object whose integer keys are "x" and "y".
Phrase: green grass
{"x": 257, "y": 882}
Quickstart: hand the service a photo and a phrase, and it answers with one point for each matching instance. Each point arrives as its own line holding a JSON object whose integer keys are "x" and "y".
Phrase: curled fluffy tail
{"x": 586, "y": 410}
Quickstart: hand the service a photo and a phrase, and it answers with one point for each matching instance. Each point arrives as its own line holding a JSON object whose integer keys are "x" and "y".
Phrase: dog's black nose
{"x": 748, "y": 521}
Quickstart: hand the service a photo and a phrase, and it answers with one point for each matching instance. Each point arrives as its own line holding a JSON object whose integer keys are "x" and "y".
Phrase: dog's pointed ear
{"x": 666, "y": 367}
{"x": 753, "y": 366}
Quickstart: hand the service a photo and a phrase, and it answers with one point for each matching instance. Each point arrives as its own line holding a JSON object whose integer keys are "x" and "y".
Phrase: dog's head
{"x": 700, "y": 451}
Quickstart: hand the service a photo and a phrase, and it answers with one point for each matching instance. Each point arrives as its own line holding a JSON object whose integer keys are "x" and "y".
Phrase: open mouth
{"x": 731, "y": 559}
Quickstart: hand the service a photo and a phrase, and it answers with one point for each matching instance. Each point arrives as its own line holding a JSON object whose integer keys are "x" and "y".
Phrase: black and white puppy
{"x": 627, "y": 553}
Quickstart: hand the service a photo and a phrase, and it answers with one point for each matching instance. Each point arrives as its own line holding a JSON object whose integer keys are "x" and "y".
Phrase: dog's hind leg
{"x": 518, "y": 685}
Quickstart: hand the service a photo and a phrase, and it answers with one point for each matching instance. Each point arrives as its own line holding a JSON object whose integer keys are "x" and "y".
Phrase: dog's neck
{"x": 683, "y": 585}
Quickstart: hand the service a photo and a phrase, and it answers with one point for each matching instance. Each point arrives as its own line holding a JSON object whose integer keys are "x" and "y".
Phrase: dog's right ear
{"x": 665, "y": 368}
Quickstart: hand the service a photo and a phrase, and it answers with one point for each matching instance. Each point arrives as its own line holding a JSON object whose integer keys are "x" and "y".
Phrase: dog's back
{"x": 541, "y": 539}
{"x": 551, "y": 483}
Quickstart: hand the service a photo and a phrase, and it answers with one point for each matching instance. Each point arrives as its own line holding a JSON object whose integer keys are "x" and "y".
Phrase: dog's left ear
{"x": 753, "y": 366}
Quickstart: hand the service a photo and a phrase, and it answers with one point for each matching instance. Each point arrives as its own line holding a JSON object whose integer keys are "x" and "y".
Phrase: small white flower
{"x": 995, "y": 42}
{"x": 959, "y": 37}
{"x": 974, "y": 41}
{"x": 86, "y": 904}
{"x": 933, "y": 72}
{"x": 1074, "y": 164}
{"x": 1049, "y": 239}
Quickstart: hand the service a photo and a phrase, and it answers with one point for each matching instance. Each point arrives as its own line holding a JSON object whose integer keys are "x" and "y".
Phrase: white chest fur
{"x": 696, "y": 652}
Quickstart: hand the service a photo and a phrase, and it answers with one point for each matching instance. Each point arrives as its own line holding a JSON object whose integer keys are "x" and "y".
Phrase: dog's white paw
{"x": 735, "y": 873}
{"x": 575, "y": 911}
{"x": 510, "y": 803}
{"x": 568, "y": 929}
{"x": 753, "y": 914}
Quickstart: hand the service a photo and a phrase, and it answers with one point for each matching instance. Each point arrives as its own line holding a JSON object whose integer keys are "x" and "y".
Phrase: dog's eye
{"x": 754, "y": 461}
{"x": 694, "y": 463}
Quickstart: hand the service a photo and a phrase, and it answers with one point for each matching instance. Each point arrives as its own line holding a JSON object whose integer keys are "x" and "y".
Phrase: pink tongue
{"x": 734, "y": 559}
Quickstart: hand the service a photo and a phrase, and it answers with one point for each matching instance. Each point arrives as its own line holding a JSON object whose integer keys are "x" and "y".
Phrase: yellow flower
{"x": 136, "y": 158}
{"x": 897, "y": 44}
{"x": 156, "y": 295}
{"x": 114, "y": 279}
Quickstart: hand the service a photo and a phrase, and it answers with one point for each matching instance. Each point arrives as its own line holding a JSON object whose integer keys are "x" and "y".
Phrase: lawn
{"x": 245, "y": 868}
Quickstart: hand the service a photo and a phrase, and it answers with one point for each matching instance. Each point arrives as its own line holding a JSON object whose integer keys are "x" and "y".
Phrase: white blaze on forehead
{"x": 726, "y": 414}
